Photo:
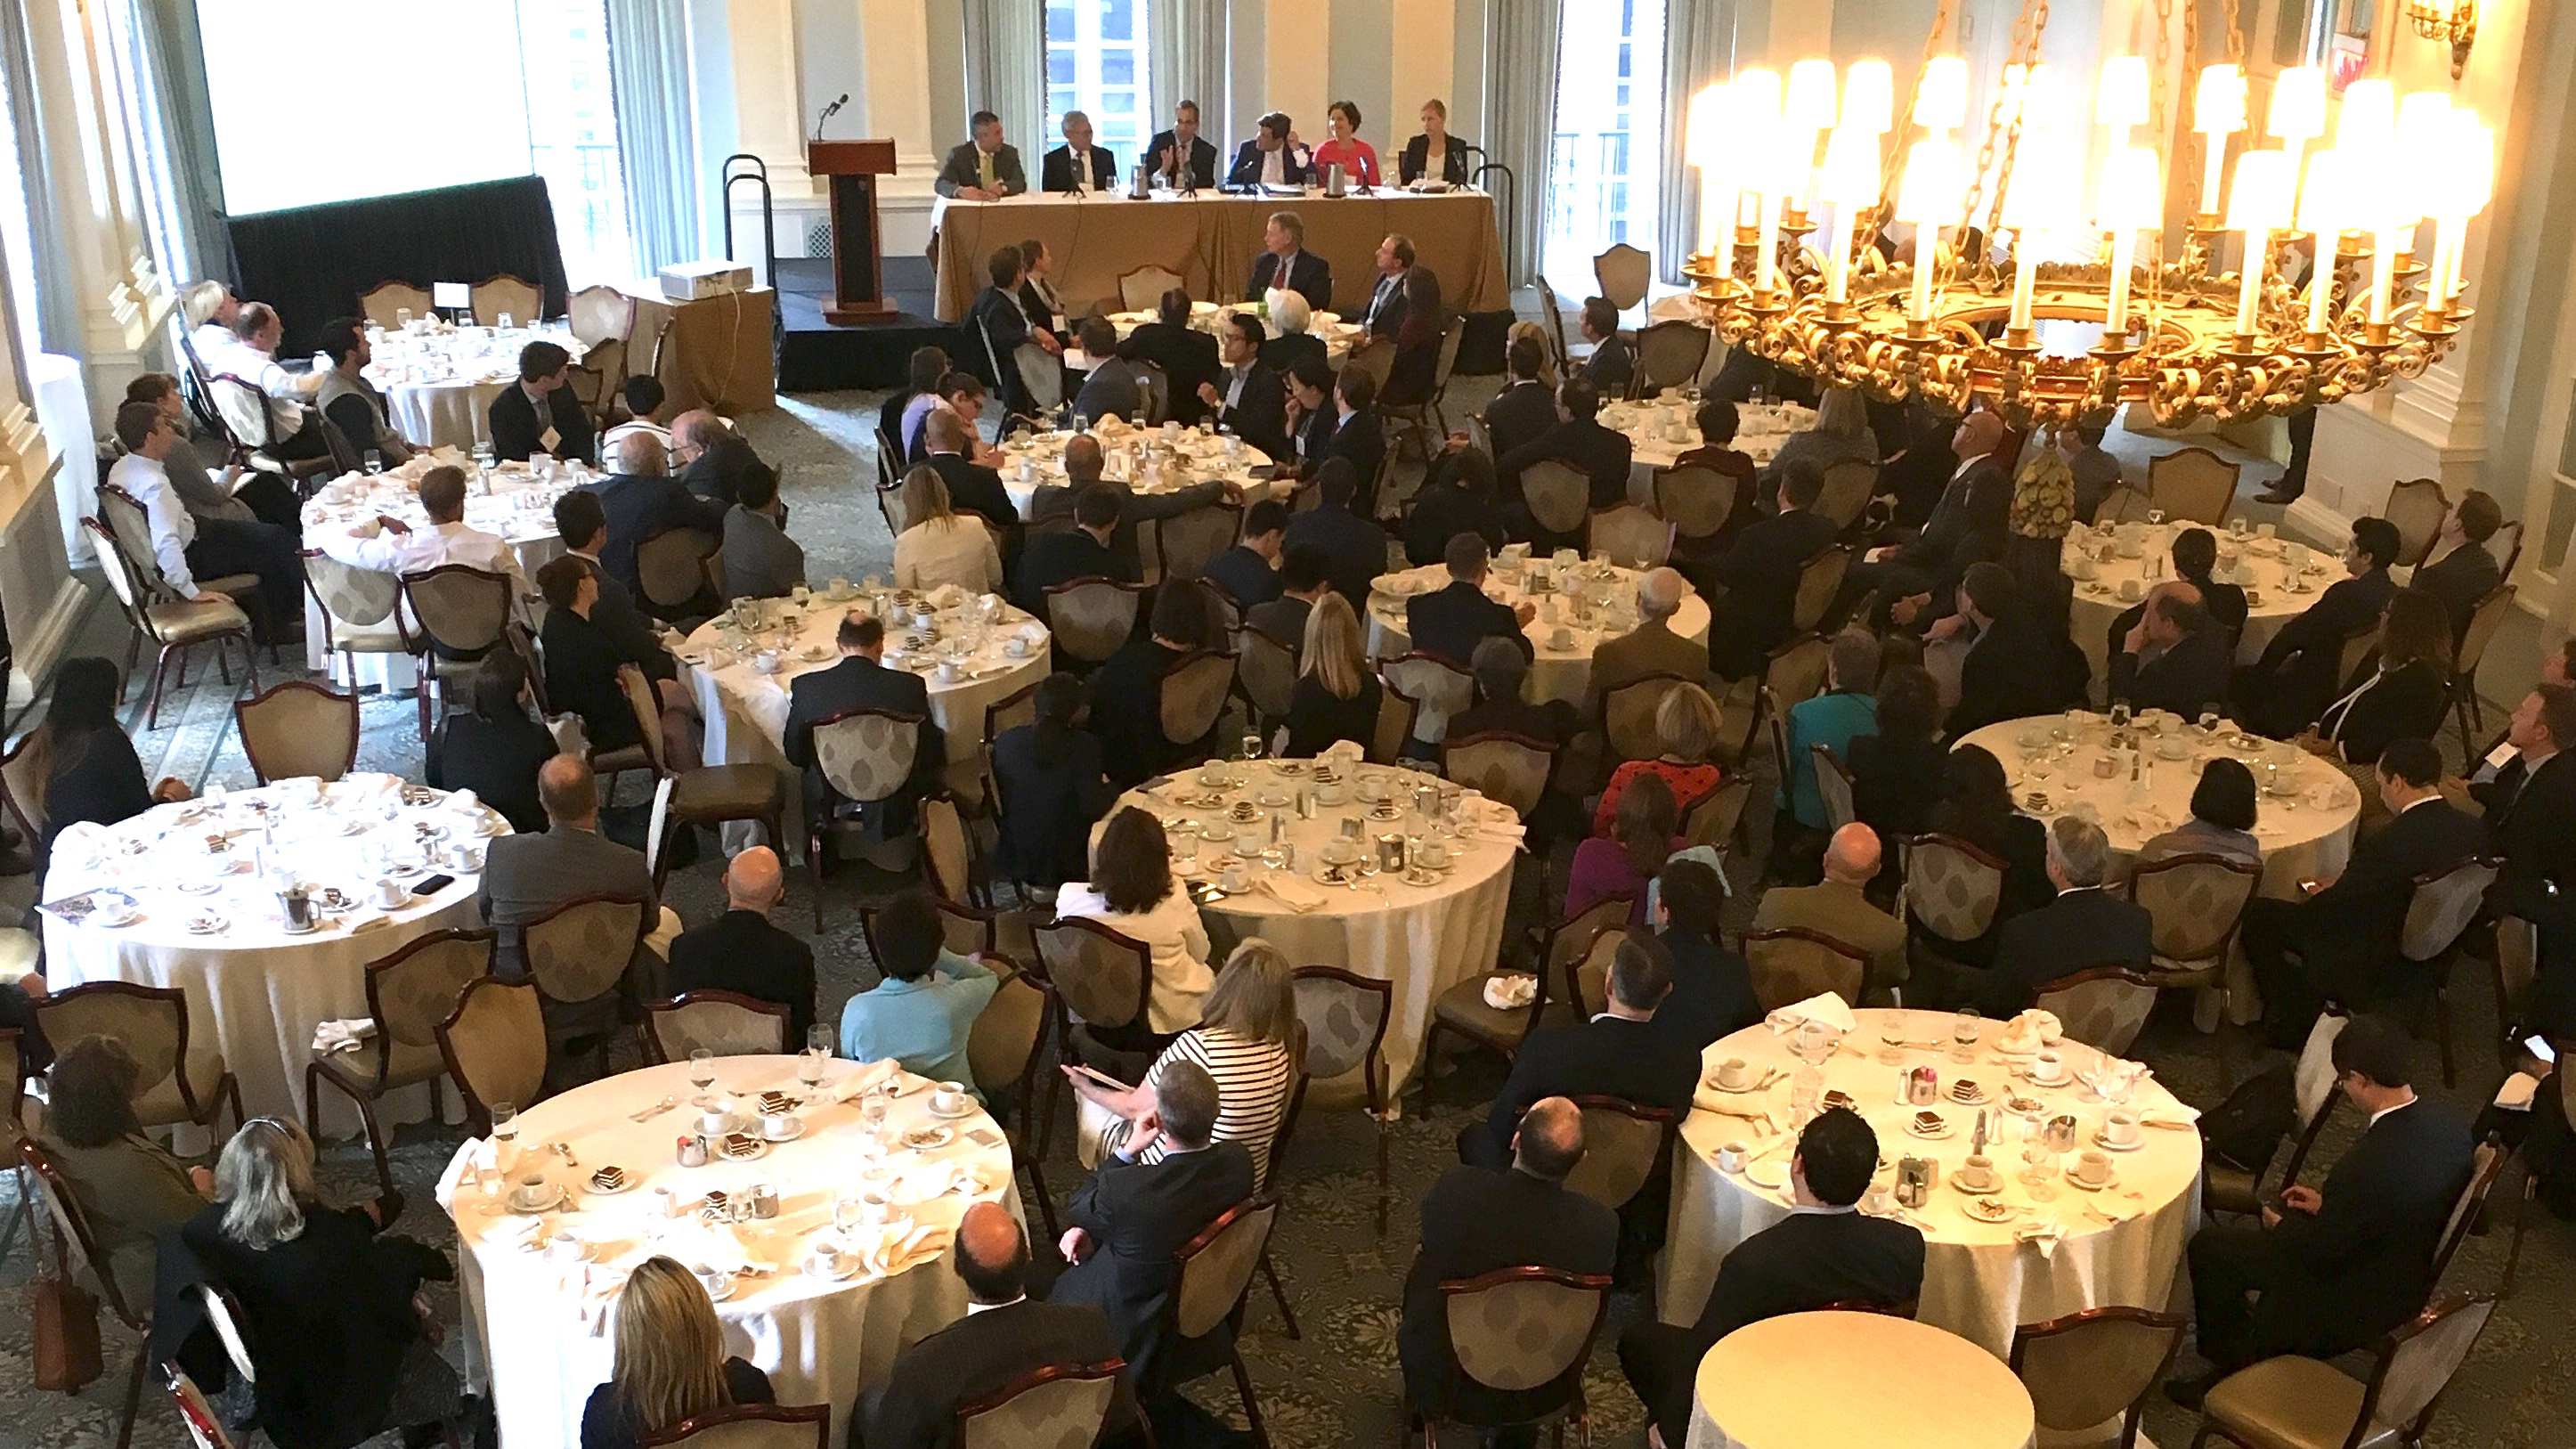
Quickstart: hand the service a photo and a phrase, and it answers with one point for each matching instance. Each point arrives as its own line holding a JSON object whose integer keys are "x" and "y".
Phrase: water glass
{"x": 872, "y": 1114}
{"x": 1252, "y": 744}
{"x": 702, "y": 1069}
{"x": 508, "y": 322}
{"x": 818, "y": 1050}
{"x": 505, "y": 1136}
{"x": 848, "y": 1213}
{"x": 1963, "y": 1034}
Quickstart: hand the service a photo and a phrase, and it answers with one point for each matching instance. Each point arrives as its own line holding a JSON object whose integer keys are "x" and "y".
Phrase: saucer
{"x": 851, "y": 1266}
{"x": 718, "y": 1292}
{"x": 1751, "y": 1084}
{"x": 285, "y": 927}
{"x": 2107, "y": 1145}
{"x": 1993, "y": 1185}
{"x": 1185, "y": 866}
{"x": 2036, "y": 1080}
{"x": 200, "y": 887}
{"x": 553, "y": 1199}
{"x": 1422, "y": 875}
{"x": 768, "y": 1136}
{"x": 1766, "y": 1174}
{"x": 2077, "y": 1181}
{"x": 965, "y": 1109}
{"x": 205, "y": 923}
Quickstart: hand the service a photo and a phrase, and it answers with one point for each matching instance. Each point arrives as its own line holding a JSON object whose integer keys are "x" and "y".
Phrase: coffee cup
{"x": 949, "y": 671}
{"x": 2170, "y": 748}
{"x": 716, "y": 1281}
{"x": 715, "y": 1123}
{"x": 1433, "y": 854}
{"x": 391, "y": 893}
{"x": 2120, "y": 1128}
{"x": 2132, "y": 590}
{"x": 1233, "y": 879}
{"x": 876, "y": 1207}
{"x": 1731, "y": 1157}
{"x": 1977, "y": 1174}
{"x": 766, "y": 661}
{"x": 2091, "y": 1165}
{"x": 1563, "y": 638}
{"x": 949, "y": 1100}
{"x": 566, "y": 1249}
{"x": 780, "y": 1126}
{"x": 824, "y": 1260}
{"x": 2048, "y": 1067}
{"x": 1734, "y": 1072}
{"x": 799, "y": 593}
{"x": 840, "y": 587}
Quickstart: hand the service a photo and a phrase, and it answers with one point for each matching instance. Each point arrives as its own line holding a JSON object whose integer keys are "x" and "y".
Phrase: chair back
{"x": 1345, "y": 1017}
{"x": 2416, "y": 506}
{"x": 1142, "y": 289}
{"x": 2357, "y": 646}
{"x": 1002, "y": 1045}
{"x": 1712, "y": 821}
{"x": 599, "y": 313}
{"x": 73, "y": 1235}
{"x": 2486, "y": 616}
{"x": 2517, "y": 969}
{"x": 1740, "y": 712}
{"x": 1375, "y": 359}
{"x": 2444, "y": 902}
{"x": 383, "y": 303}
{"x": 1451, "y": 337}
{"x": 1396, "y": 712}
{"x": 1217, "y": 1265}
{"x": 1697, "y": 498}
{"x": 947, "y": 851}
{"x": 1796, "y": 671}
{"x": 298, "y": 728}
{"x": 2193, "y": 483}
{"x": 1952, "y": 888}
{"x": 1559, "y": 498}
{"x": 1628, "y": 715}
{"x": 749, "y": 1426}
{"x": 2506, "y": 544}
{"x": 2105, "y": 1007}
{"x": 506, "y": 293}
{"x": 1623, "y": 273}
{"x": 1670, "y": 354}
{"x": 1058, "y": 1406}
{"x": 1570, "y": 942}
{"x": 1092, "y": 617}
{"x": 1188, "y": 540}
{"x": 1516, "y": 1329}
{"x": 348, "y": 594}
{"x": 460, "y": 608}
{"x": 1102, "y": 976}
{"x": 2417, "y": 1361}
{"x": 1848, "y": 486}
{"x": 151, "y": 1021}
{"x": 1633, "y": 535}
{"x": 646, "y": 705}
{"x": 1513, "y": 769}
{"x": 725, "y": 1023}
{"x": 671, "y": 565}
{"x": 22, "y": 792}
{"x": 1268, "y": 669}
{"x": 2194, "y": 904}
{"x": 494, "y": 1045}
{"x": 1622, "y": 1142}
{"x": 579, "y": 950}
{"x": 1834, "y": 786}
{"x": 2090, "y": 1367}
{"x": 1442, "y": 686}
{"x": 867, "y": 754}
{"x": 414, "y": 989}
{"x": 1194, "y": 691}
{"x": 2485, "y": 1165}
{"x": 130, "y": 588}
{"x": 1793, "y": 963}
{"x": 131, "y": 528}
{"x": 1820, "y": 581}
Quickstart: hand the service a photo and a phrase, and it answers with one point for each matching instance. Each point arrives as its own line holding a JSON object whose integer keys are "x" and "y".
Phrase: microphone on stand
{"x": 829, "y": 112}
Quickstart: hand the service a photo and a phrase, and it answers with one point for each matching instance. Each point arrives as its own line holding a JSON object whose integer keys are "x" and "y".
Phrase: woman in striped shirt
{"x": 1246, "y": 1041}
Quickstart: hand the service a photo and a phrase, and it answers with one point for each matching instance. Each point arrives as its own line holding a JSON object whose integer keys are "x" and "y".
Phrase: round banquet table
{"x": 1209, "y": 317}
{"x": 2119, "y": 554}
{"x": 1833, "y": 1380}
{"x": 254, "y": 992}
{"x": 1980, "y": 1281}
{"x": 439, "y": 385}
{"x": 544, "y": 1328}
{"x": 511, "y": 501}
{"x": 1036, "y": 460}
{"x": 1424, "y": 938}
{"x": 1660, "y": 430}
{"x": 1563, "y": 645}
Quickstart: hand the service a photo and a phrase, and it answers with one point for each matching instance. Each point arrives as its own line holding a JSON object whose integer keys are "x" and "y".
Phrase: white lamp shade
{"x": 1941, "y": 99}
{"x": 2470, "y": 169}
{"x": 2325, "y": 208}
{"x": 2130, "y": 193}
{"x": 2425, "y": 147}
{"x": 2298, "y": 104}
{"x": 1755, "y": 99}
{"x": 2369, "y": 120}
{"x": 2121, "y": 99}
{"x": 1850, "y": 176}
{"x": 1783, "y": 161}
{"x": 1934, "y": 185}
{"x": 2047, "y": 182}
{"x": 1810, "y": 99}
{"x": 2218, "y": 106}
{"x": 2032, "y": 97}
{"x": 1869, "y": 98}
{"x": 1711, "y": 112}
{"x": 2260, "y": 198}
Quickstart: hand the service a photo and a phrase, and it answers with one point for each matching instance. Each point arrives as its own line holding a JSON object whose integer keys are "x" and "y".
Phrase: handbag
{"x": 67, "y": 1351}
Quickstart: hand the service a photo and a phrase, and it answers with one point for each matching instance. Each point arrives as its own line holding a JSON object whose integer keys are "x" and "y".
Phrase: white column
{"x": 896, "y": 43}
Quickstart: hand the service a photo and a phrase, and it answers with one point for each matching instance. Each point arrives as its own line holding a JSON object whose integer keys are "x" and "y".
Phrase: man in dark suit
{"x": 743, "y": 951}
{"x": 1616, "y": 1054}
{"x": 1406, "y": 312}
{"x": 2530, "y": 800}
{"x": 541, "y": 415}
{"x": 1475, "y": 1220}
{"x": 1114, "y": 388}
{"x": 1129, "y": 1219}
{"x": 1579, "y": 442}
{"x": 1273, "y": 157}
{"x": 2334, "y": 1267}
{"x": 2085, "y": 927}
{"x": 1126, "y": 692}
{"x": 1187, "y": 356}
{"x": 1304, "y": 579}
{"x": 2195, "y": 554}
{"x": 1825, "y": 1251}
{"x": 1524, "y": 408}
{"x": 1004, "y": 1335}
{"x": 1246, "y": 398}
{"x": 1077, "y": 165}
{"x": 861, "y": 681}
{"x": 1358, "y": 438}
{"x": 713, "y": 457}
{"x": 1184, "y": 159}
{"x": 525, "y": 876}
{"x": 1712, "y": 995}
{"x": 1001, "y": 322}
{"x": 1285, "y": 263}
{"x": 1451, "y": 620}
{"x": 2338, "y": 942}
{"x": 1611, "y": 368}
{"x": 582, "y": 523}
{"x": 1966, "y": 526}
{"x": 1082, "y": 552}
{"x": 972, "y": 487}
{"x": 642, "y": 500}
{"x": 2301, "y": 670}
{"x": 2175, "y": 657}
{"x": 1249, "y": 571}
{"x": 2461, "y": 570}
{"x": 2006, "y": 673}
{"x": 1354, "y": 547}
{"x": 985, "y": 168}
{"x": 1757, "y": 579}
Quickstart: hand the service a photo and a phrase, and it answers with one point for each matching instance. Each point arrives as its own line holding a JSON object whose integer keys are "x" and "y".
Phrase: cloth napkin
{"x": 703, "y": 1244}
{"x": 1745, "y": 1107}
{"x": 1346, "y": 753}
{"x": 864, "y": 1079}
{"x": 600, "y": 1285}
{"x": 1823, "y": 1007}
{"x": 345, "y": 1034}
{"x": 2181, "y": 1116}
{"x": 2033, "y": 1027}
{"x": 899, "y": 1246}
{"x": 2040, "y": 1233}
{"x": 1510, "y": 990}
{"x": 516, "y": 1232}
{"x": 1291, "y": 892}
{"x": 84, "y": 838}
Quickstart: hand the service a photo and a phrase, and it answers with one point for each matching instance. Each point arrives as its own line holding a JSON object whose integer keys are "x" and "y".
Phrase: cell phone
{"x": 2541, "y": 1049}
{"x": 431, "y": 885}
{"x": 1263, "y": 470}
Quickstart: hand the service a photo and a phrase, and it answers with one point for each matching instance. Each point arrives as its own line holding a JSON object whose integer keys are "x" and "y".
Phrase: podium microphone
{"x": 829, "y": 112}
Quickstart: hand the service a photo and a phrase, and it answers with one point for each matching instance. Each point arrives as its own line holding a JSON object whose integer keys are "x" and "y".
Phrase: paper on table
{"x": 1824, "y": 1007}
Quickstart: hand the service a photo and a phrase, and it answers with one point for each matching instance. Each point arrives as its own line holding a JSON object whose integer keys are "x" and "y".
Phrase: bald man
{"x": 744, "y": 951}
{"x": 1650, "y": 648}
{"x": 1004, "y": 1334}
{"x": 1838, "y": 908}
{"x": 1917, "y": 575}
{"x": 525, "y": 876}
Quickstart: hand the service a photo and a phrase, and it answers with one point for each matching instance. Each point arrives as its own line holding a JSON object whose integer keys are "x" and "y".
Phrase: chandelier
{"x": 1957, "y": 327}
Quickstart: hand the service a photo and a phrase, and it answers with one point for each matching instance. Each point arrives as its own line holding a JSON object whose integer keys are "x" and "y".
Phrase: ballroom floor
{"x": 1337, "y": 1385}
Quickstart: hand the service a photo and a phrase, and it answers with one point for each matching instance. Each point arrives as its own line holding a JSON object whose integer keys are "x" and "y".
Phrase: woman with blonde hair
{"x": 939, "y": 546}
{"x": 1336, "y": 697}
{"x": 1547, "y": 373}
{"x": 1246, "y": 1041}
{"x": 671, "y": 1362}
{"x": 1686, "y": 724}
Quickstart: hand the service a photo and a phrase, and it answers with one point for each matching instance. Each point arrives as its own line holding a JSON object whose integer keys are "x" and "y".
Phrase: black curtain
{"x": 313, "y": 262}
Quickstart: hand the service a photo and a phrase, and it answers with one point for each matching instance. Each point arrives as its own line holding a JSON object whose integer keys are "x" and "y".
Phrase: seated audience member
{"x": 1245, "y": 397}
{"x": 2175, "y": 658}
{"x": 390, "y": 546}
{"x": 1084, "y": 551}
{"x": 1115, "y": 387}
{"x": 1303, "y": 580}
{"x": 670, "y": 1364}
{"x": 2096, "y": 471}
{"x": 2195, "y": 558}
{"x": 1975, "y": 804}
{"x": 1578, "y": 441}
{"x": 1452, "y": 619}
{"x": 1501, "y": 669}
{"x": 128, "y": 1186}
{"x": 582, "y": 524}
{"x": 1294, "y": 348}
{"x": 1476, "y": 1220}
{"x": 341, "y": 1349}
{"x": 2285, "y": 690}
{"x": 1965, "y": 525}
{"x": 1717, "y": 421}
{"x": 1405, "y": 312}
{"x": 2085, "y": 927}
{"x": 901, "y": 418}
{"x": 2335, "y": 1266}
{"x": 1310, "y": 415}
{"x": 1128, "y": 1221}
{"x": 2530, "y": 797}
{"x": 2222, "y": 818}
{"x": 2461, "y": 570}
{"x": 2401, "y": 692}
{"x": 760, "y": 560}
{"x": 923, "y": 1007}
{"x": 1053, "y": 787}
{"x": 744, "y": 952}
{"x": 1004, "y": 1336}
{"x": 188, "y": 548}
{"x": 1456, "y": 496}
{"x": 250, "y": 356}
{"x": 1612, "y": 367}
{"x": 348, "y": 401}
{"x": 861, "y": 681}
{"x": 2339, "y": 943}
{"x": 1132, "y": 892}
{"x": 1839, "y": 905}
{"x": 1616, "y": 1054}
{"x": 494, "y": 747}
{"x": 1825, "y": 1252}
{"x": 525, "y": 876}
{"x": 1833, "y": 719}
{"x": 208, "y": 309}
{"x": 1284, "y": 264}
{"x": 1897, "y": 771}
{"x": 1354, "y": 546}
{"x": 1126, "y": 691}
{"x": 1712, "y": 995}
{"x": 1649, "y": 649}
{"x": 644, "y": 397}
{"x": 999, "y": 321}
{"x": 243, "y": 495}
{"x": 1840, "y": 435}
{"x": 962, "y": 398}
{"x": 939, "y": 548}
{"x": 642, "y": 501}
{"x": 541, "y": 415}
{"x": 1641, "y": 839}
{"x": 1757, "y": 579}
{"x": 1686, "y": 725}
{"x": 1336, "y": 696}
{"x": 1526, "y": 407}
{"x": 84, "y": 764}
{"x": 713, "y": 457}
{"x": 974, "y": 484}
{"x": 2005, "y": 674}
{"x": 1188, "y": 357}
{"x": 1357, "y": 436}
{"x": 1249, "y": 571}
{"x": 1039, "y": 300}
{"x": 582, "y": 663}
{"x": 1247, "y": 1043}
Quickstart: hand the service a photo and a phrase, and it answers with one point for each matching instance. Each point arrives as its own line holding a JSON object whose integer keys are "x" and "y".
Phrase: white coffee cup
{"x": 1734, "y": 1072}
{"x": 875, "y": 1207}
{"x": 2090, "y": 1166}
{"x": 566, "y": 1249}
{"x": 2132, "y": 590}
{"x": 1233, "y": 878}
{"x": 391, "y": 893}
{"x": 2120, "y": 1127}
{"x": 780, "y": 1127}
{"x": 1731, "y": 1157}
{"x": 824, "y": 1261}
{"x": 715, "y": 1124}
{"x": 766, "y": 661}
{"x": 2048, "y": 1067}
{"x": 949, "y": 671}
{"x": 716, "y": 1281}
{"x": 949, "y": 1100}
{"x": 1434, "y": 854}
{"x": 1563, "y": 638}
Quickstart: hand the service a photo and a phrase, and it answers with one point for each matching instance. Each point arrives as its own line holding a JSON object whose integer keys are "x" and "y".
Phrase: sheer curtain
{"x": 172, "y": 124}
{"x": 1188, "y": 54}
{"x": 1006, "y": 73}
{"x": 1521, "y": 124}
{"x": 1699, "y": 50}
{"x": 648, "y": 59}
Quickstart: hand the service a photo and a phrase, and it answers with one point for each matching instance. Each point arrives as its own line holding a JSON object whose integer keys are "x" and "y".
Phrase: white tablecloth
{"x": 1036, "y": 461}
{"x": 1661, "y": 430}
{"x": 1979, "y": 1281}
{"x": 819, "y": 1341}
{"x": 2141, "y": 552}
{"x": 1209, "y": 317}
{"x": 256, "y": 992}
{"x": 1564, "y": 645}
{"x": 1425, "y": 938}
{"x": 439, "y": 386}
{"x": 1838, "y": 1380}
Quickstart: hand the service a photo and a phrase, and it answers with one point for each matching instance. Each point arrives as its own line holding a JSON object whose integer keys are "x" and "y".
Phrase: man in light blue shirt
{"x": 924, "y": 1009}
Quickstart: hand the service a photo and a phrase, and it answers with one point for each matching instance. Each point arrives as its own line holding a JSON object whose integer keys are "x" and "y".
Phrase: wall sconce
{"x": 2459, "y": 27}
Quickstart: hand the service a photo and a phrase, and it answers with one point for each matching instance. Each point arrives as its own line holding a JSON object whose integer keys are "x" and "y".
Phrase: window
{"x": 572, "y": 135}
{"x": 1605, "y": 166}
{"x": 1096, "y": 64}
{"x": 17, "y": 227}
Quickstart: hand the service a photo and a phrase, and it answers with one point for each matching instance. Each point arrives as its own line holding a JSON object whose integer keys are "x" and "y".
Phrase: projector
{"x": 688, "y": 281}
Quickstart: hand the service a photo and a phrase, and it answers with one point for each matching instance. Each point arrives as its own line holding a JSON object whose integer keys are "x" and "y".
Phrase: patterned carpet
{"x": 1338, "y": 1383}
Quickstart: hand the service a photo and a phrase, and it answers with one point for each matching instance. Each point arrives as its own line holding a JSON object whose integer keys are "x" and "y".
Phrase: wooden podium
{"x": 858, "y": 243}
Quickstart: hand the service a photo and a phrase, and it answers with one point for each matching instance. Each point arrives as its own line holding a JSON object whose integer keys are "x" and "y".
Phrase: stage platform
{"x": 817, "y": 356}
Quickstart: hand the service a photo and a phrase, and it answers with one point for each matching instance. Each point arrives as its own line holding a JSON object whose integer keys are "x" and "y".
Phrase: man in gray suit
{"x": 760, "y": 560}
{"x": 1115, "y": 388}
{"x": 525, "y": 876}
{"x": 1650, "y": 648}
{"x": 984, "y": 169}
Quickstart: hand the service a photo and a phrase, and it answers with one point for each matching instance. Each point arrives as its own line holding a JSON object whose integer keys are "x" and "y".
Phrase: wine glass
{"x": 818, "y": 1050}
{"x": 848, "y": 1213}
{"x": 1963, "y": 1034}
{"x": 1251, "y": 745}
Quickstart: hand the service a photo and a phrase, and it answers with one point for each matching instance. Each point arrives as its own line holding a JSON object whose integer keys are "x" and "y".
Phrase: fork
{"x": 649, "y": 1113}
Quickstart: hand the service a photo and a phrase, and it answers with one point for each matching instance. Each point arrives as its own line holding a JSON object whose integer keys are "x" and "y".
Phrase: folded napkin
{"x": 600, "y": 1285}
{"x": 1291, "y": 892}
{"x": 2029, "y": 1030}
{"x": 2181, "y": 1116}
{"x": 2040, "y": 1233}
{"x": 467, "y": 801}
{"x": 1346, "y": 753}
{"x": 343, "y": 1035}
{"x": 864, "y": 1079}
{"x": 1743, "y": 1106}
{"x": 1510, "y": 990}
{"x": 84, "y": 837}
{"x": 516, "y": 1232}
{"x": 1823, "y": 1007}
{"x": 899, "y": 1246}
{"x": 702, "y": 1244}
{"x": 2516, "y": 1093}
